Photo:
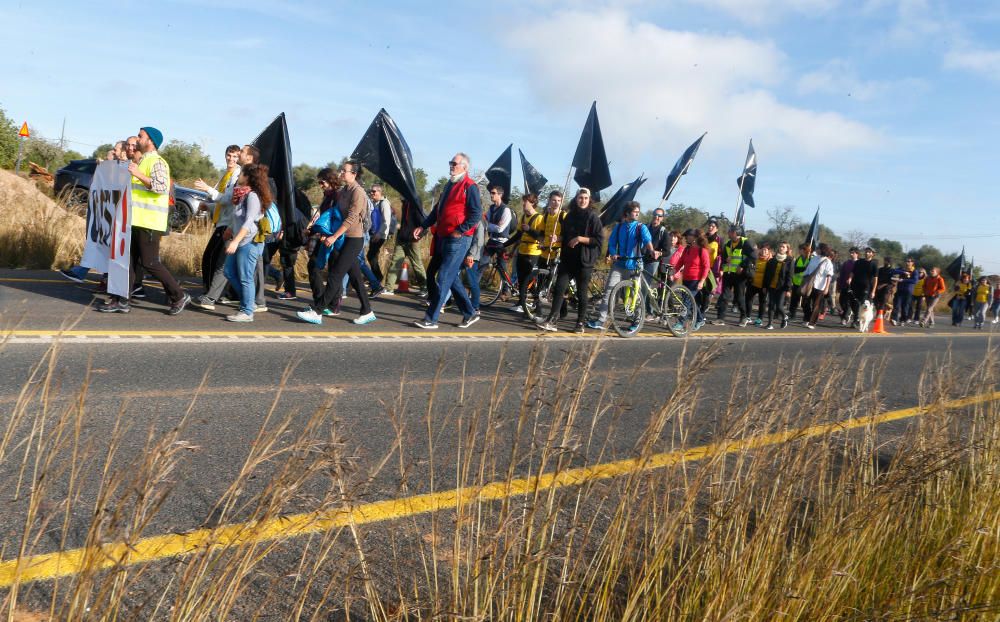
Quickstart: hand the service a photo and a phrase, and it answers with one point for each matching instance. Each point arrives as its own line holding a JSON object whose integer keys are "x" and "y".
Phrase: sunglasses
{"x": 454, "y": 163}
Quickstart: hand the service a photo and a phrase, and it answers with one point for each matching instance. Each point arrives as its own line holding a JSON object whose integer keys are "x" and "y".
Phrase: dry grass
{"x": 861, "y": 525}
{"x": 37, "y": 232}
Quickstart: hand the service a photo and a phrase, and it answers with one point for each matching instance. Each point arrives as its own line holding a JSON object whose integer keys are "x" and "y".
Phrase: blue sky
{"x": 882, "y": 112}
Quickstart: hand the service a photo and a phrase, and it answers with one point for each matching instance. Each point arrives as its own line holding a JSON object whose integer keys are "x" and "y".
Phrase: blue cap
{"x": 154, "y": 134}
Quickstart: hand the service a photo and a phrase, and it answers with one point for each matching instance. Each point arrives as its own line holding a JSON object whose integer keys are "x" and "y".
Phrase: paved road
{"x": 143, "y": 371}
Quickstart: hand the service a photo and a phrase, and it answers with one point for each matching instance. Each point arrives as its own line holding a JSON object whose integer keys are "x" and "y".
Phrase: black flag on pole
{"x": 956, "y": 267}
{"x": 748, "y": 179}
{"x": 681, "y": 167}
{"x": 741, "y": 218}
{"x": 499, "y": 173}
{"x": 534, "y": 181}
{"x": 590, "y": 159}
{"x": 812, "y": 236}
{"x": 615, "y": 206}
{"x": 384, "y": 152}
{"x": 276, "y": 153}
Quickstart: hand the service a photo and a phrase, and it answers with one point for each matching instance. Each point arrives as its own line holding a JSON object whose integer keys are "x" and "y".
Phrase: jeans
{"x": 958, "y": 310}
{"x": 240, "y": 269}
{"x": 901, "y": 306}
{"x": 374, "y": 246}
{"x": 472, "y": 278}
{"x": 450, "y": 253}
{"x": 615, "y": 275}
{"x": 980, "y": 315}
{"x": 79, "y": 271}
{"x": 695, "y": 292}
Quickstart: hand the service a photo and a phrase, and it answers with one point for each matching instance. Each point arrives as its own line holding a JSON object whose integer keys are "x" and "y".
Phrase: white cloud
{"x": 839, "y": 78}
{"x": 656, "y": 86}
{"x": 983, "y": 62}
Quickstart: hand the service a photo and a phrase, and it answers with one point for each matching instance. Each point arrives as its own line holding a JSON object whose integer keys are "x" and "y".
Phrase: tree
{"x": 681, "y": 217}
{"x": 886, "y": 248}
{"x": 783, "y": 221}
{"x": 8, "y": 141}
{"x": 102, "y": 151}
{"x": 188, "y": 162}
{"x": 304, "y": 176}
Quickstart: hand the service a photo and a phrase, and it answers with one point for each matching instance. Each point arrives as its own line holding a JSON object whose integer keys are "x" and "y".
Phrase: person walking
{"x": 934, "y": 287}
{"x": 455, "y": 217}
{"x": 798, "y": 270}
{"x": 756, "y": 287}
{"x": 917, "y": 307}
{"x": 778, "y": 281}
{"x": 150, "y": 213}
{"x": 959, "y": 300}
{"x": 863, "y": 282}
{"x": 902, "y": 301}
{"x": 982, "y": 294}
{"x": 251, "y": 194}
{"x": 353, "y": 203}
{"x": 692, "y": 263}
{"x": 220, "y": 204}
{"x": 382, "y": 221}
{"x": 819, "y": 278}
{"x": 844, "y": 286}
{"x": 530, "y": 233}
{"x": 739, "y": 260}
{"x": 581, "y": 239}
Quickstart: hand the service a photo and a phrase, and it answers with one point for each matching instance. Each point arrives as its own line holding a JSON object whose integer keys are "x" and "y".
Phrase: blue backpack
{"x": 378, "y": 222}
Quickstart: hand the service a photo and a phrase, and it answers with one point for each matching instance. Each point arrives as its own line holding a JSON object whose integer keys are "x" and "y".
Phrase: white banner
{"x": 109, "y": 225}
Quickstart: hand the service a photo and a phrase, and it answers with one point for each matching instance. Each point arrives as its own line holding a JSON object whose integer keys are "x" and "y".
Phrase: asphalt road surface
{"x": 376, "y": 386}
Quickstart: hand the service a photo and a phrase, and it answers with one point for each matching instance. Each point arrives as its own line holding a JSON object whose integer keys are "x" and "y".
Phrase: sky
{"x": 881, "y": 113}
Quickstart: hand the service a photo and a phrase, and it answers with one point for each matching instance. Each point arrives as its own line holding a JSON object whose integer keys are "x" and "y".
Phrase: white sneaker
{"x": 367, "y": 318}
{"x": 260, "y": 309}
{"x": 387, "y": 292}
{"x": 517, "y": 309}
{"x": 308, "y": 315}
{"x": 239, "y": 317}
{"x": 548, "y": 326}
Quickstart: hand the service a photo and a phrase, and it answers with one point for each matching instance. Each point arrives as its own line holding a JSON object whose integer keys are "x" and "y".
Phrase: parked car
{"x": 72, "y": 183}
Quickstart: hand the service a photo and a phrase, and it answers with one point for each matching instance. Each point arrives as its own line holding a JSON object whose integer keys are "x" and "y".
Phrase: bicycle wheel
{"x": 626, "y": 304}
{"x": 531, "y": 300}
{"x": 542, "y": 295}
{"x": 491, "y": 283}
{"x": 679, "y": 311}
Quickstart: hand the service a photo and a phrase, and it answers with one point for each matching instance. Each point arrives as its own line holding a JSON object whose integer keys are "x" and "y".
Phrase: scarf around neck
{"x": 239, "y": 193}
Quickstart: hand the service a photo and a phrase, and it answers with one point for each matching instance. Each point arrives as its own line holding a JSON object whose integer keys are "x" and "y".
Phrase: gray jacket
{"x": 478, "y": 241}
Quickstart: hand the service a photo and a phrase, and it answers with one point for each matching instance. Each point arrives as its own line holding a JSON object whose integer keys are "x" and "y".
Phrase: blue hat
{"x": 154, "y": 134}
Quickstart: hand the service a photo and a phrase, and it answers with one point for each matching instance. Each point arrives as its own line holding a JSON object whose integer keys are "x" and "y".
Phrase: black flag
{"x": 534, "y": 181}
{"x": 956, "y": 267}
{"x": 499, "y": 173}
{"x": 741, "y": 218}
{"x": 681, "y": 167}
{"x": 615, "y": 206}
{"x": 276, "y": 153}
{"x": 812, "y": 236}
{"x": 748, "y": 179}
{"x": 590, "y": 159}
{"x": 384, "y": 152}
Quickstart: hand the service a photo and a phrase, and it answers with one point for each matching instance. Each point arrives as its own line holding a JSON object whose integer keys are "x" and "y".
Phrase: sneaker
{"x": 227, "y": 301}
{"x": 921, "y": 324}
{"x": 769, "y": 327}
{"x": 387, "y": 292}
{"x": 547, "y": 326}
{"x": 698, "y": 325}
{"x": 375, "y": 293}
{"x": 810, "y": 326}
{"x": 784, "y": 322}
{"x": 308, "y": 315}
{"x": 260, "y": 309}
{"x": 517, "y": 309}
{"x": 367, "y": 318}
{"x": 469, "y": 321}
{"x": 286, "y": 296}
{"x": 239, "y": 317}
{"x": 425, "y": 324}
{"x": 758, "y": 322}
{"x": 679, "y": 327}
{"x": 843, "y": 322}
{"x": 894, "y": 322}
{"x": 204, "y": 302}
{"x": 68, "y": 274}
{"x": 745, "y": 322}
{"x": 115, "y": 306}
{"x": 718, "y": 323}
{"x": 139, "y": 292}
{"x": 595, "y": 325}
{"x": 331, "y": 312}
{"x": 178, "y": 306}
{"x": 579, "y": 328}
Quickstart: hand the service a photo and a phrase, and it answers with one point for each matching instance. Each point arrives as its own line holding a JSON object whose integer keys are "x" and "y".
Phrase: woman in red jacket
{"x": 692, "y": 266}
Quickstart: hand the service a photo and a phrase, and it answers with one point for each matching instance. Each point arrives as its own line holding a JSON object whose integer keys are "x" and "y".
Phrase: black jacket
{"x": 784, "y": 270}
{"x": 586, "y": 223}
{"x": 411, "y": 217}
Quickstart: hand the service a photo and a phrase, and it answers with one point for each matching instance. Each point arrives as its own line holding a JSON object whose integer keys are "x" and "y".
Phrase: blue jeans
{"x": 695, "y": 292}
{"x": 240, "y": 269}
{"x": 79, "y": 271}
{"x": 472, "y": 276}
{"x": 452, "y": 252}
{"x": 958, "y": 310}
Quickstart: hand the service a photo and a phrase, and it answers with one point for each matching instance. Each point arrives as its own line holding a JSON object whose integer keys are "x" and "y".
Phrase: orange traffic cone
{"x": 879, "y": 325}
{"x": 404, "y": 278}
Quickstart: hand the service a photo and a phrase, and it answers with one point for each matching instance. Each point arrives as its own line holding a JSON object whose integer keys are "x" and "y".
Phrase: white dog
{"x": 865, "y": 316}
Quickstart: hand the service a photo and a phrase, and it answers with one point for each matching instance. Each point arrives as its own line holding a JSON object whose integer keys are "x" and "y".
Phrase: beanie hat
{"x": 154, "y": 134}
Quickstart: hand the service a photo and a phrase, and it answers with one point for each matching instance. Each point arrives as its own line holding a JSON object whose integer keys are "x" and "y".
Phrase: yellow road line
{"x": 65, "y": 563}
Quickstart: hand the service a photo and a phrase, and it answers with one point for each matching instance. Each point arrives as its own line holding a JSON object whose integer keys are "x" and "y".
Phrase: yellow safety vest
{"x": 734, "y": 256}
{"x": 800, "y": 270}
{"x": 529, "y": 245}
{"x": 552, "y": 226}
{"x": 150, "y": 209}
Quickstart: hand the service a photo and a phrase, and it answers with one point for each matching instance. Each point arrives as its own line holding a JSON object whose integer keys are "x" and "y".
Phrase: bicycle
{"x": 672, "y": 305}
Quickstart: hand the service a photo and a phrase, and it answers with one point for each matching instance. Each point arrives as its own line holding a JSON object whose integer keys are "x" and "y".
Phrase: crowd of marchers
{"x": 764, "y": 286}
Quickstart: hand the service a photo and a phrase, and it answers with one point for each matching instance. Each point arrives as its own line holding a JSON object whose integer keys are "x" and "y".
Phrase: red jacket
{"x": 695, "y": 262}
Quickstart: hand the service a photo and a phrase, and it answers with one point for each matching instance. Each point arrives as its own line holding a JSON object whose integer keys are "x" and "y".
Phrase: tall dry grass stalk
{"x": 842, "y": 525}
{"x": 37, "y": 232}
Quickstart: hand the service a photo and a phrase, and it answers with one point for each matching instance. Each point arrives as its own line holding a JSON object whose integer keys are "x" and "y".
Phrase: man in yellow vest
{"x": 150, "y": 210}
{"x": 739, "y": 262}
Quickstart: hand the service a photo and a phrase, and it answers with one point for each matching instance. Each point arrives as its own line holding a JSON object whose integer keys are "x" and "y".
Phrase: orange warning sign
{"x": 24, "y": 130}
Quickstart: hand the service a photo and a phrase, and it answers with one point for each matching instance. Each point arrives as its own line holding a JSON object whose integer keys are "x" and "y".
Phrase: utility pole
{"x": 62, "y": 136}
